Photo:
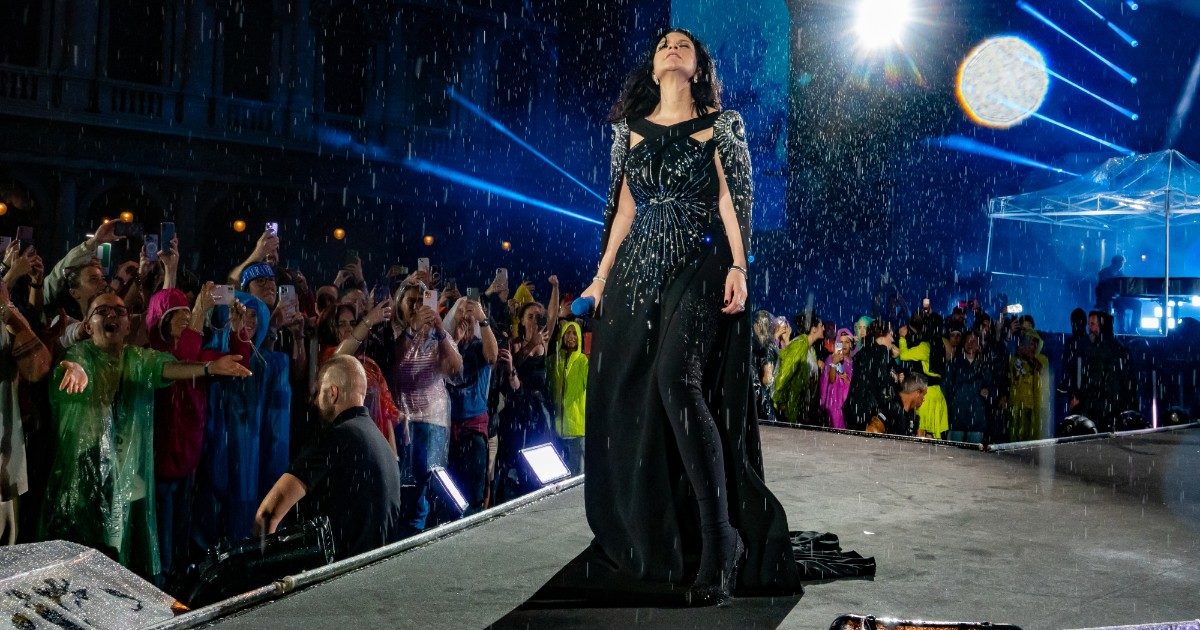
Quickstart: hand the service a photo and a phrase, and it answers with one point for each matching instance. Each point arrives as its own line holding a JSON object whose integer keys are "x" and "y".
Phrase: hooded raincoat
{"x": 568, "y": 384}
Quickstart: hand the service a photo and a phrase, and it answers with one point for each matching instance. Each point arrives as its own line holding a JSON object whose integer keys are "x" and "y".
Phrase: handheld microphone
{"x": 582, "y": 306}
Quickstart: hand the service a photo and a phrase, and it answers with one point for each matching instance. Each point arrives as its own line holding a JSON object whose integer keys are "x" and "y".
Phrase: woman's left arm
{"x": 735, "y": 281}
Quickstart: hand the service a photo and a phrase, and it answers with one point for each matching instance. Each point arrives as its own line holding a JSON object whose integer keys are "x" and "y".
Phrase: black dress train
{"x": 658, "y": 335}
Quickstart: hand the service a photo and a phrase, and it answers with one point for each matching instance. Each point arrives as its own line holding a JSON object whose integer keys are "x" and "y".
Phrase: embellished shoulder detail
{"x": 729, "y": 132}
{"x": 620, "y": 150}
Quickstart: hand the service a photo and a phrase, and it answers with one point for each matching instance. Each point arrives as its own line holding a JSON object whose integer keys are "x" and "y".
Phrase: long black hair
{"x": 640, "y": 94}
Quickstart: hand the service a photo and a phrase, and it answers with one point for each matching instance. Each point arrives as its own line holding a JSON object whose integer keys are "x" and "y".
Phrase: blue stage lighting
{"x": 423, "y": 166}
{"x": 1118, "y": 108}
{"x": 1123, "y": 35}
{"x": 1026, "y": 7}
{"x": 1115, "y": 147}
{"x": 970, "y": 145}
{"x": 1133, "y": 6}
{"x": 499, "y": 126}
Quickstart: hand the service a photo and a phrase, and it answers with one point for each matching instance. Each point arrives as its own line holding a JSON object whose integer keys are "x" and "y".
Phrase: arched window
{"x": 347, "y": 58}
{"x": 22, "y": 20}
{"x": 245, "y": 26}
{"x": 136, "y": 40}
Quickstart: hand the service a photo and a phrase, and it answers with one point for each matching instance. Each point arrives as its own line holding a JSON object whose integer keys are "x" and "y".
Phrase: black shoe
{"x": 720, "y": 594}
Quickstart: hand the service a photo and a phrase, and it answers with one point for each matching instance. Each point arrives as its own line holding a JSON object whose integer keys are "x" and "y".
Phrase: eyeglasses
{"x": 349, "y": 323}
{"x": 108, "y": 311}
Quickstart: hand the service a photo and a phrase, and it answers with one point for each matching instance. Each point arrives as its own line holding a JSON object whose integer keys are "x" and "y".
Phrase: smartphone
{"x": 152, "y": 247}
{"x": 223, "y": 294}
{"x": 502, "y": 274}
{"x": 1014, "y": 309}
{"x": 288, "y": 299}
{"x": 450, "y": 284}
{"x": 351, "y": 256}
{"x": 129, "y": 230}
{"x": 422, "y": 264}
{"x": 25, "y": 233}
{"x": 104, "y": 253}
{"x": 430, "y": 299}
{"x": 381, "y": 292}
{"x": 272, "y": 228}
{"x": 404, "y": 272}
{"x": 166, "y": 234}
{"x": 5, "y": 243}
{"x": 473, "y": 293}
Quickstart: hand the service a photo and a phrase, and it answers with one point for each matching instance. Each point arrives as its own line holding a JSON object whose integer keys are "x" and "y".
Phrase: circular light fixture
{"x": 339, "y": 233}
{"x": 428, "y": 240}
{"x": 127, "y": 216}
{"x": 3, "y": 208}
{"x": 880, "y": 23}
{"x": 506, "y": 246}
{"x": 239, "y": 226}
{"x": 1002, "y": 81}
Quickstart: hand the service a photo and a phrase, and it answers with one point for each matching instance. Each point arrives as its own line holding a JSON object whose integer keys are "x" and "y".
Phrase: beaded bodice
{"x": 673, "y": 180}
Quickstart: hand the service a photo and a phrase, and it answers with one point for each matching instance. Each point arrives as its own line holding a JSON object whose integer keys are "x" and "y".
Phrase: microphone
{"x": 583, "y": 306}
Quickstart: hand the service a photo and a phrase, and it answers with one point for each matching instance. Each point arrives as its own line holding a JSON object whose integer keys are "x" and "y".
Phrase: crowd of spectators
{"x": 152, "y": 416}
{"x": 983, "y": 381}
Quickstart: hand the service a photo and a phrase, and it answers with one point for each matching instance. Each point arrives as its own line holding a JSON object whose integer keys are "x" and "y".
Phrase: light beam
{"x": 1026, "y": 7}
{"x": 499, "y": 126}
{"x": 1115, "y": 147}
{"x": 470, "y": 181}
{"x": 1122, "y": 34}
{"x": 1123, "y": 111}
{"x": 970, "y": 145}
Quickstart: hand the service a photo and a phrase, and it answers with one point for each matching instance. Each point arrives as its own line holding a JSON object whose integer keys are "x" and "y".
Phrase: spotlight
{"x": 506, "y": 246}
{"x": 127, "y": 216}
{"x": 3, "y": 208}
{"x": 880, "y": 23}
{"x": 1133, "y": 6}
{"x": 239, "y": 226}
{"x": 545, "y": 463}
{"x": 446, "y": 488}
{"x": 1002, "y": 82}
{"x": 428, "y": 240}
{"x": 339, "y": 233}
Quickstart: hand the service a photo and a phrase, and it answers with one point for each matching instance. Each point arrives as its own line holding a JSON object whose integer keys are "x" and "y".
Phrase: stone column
{"x": 196, "y": 62}
{"x": 301, "y": 86}
{"x": 74, "y": 54}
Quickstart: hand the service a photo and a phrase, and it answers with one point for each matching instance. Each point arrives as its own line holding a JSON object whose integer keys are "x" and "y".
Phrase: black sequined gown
{"x": 661, "y": 343}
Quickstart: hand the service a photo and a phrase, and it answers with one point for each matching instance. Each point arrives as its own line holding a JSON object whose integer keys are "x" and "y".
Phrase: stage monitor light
{"x": 1002, "y": 82}
{"x": 447, "y": 488}
{"x": 545, "y": 463}
{"x": 1196, "y": 300}
{"x": 1150, "y": 323}
{"x": 880, "y": 23}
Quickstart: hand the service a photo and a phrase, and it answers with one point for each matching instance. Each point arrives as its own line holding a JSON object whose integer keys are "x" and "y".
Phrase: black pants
{"x": 468, "y": 467}
{"x": 680, "y": 384}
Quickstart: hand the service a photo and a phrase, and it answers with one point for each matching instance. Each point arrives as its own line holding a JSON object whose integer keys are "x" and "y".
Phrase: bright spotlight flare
{"x": 880, "y": 23}
{"x": 1002, "y": 82}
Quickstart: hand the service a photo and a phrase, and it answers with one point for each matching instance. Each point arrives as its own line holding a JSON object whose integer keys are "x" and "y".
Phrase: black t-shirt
{"x": 350, "y": 475}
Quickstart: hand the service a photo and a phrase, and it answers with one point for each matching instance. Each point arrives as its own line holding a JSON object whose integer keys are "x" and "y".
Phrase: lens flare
{"x": 1002, "y": 82}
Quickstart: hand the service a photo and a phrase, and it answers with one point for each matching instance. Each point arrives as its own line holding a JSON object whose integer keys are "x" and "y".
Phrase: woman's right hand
{"x": 595, "y": 291}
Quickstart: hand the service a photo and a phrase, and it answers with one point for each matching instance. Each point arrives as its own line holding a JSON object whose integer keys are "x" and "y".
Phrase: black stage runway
{"x": 1088, "y": 534}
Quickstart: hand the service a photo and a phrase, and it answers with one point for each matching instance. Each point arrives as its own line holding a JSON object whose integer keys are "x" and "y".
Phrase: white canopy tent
{"x": 1137, "y": 192}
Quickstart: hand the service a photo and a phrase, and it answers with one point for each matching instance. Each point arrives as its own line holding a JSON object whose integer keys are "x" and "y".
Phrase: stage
{"x": 1089, "y": 534}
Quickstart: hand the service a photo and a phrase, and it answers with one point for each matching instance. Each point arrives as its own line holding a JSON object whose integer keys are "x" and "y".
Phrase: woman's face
{"x": 251, "y": 322}
{"x": 971, "y": 344}
{"x": 675, "y": 52}
{"x": 860, "y": 330}
{"x": 177, "y": 320}
{"x": 529, "y": 321}
{"x": 345, "y": 325}
{"x": 410, "y": 303}
{"x": 570, "y": 339}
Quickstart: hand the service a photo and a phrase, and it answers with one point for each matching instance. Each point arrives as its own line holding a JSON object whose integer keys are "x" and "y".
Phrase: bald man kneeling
{"x": 348, "y": 473}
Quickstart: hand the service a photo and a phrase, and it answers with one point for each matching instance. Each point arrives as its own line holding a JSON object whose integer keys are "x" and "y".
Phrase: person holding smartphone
{"x": 423, "y": 355}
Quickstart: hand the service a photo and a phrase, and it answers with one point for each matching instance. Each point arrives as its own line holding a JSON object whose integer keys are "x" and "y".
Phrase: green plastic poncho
{"x": 794, "y": 382}
{"x": 101, "y": 489}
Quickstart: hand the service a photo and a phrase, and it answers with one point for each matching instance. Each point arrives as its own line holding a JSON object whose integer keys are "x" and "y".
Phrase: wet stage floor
{"x": 1077, "y": 535}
